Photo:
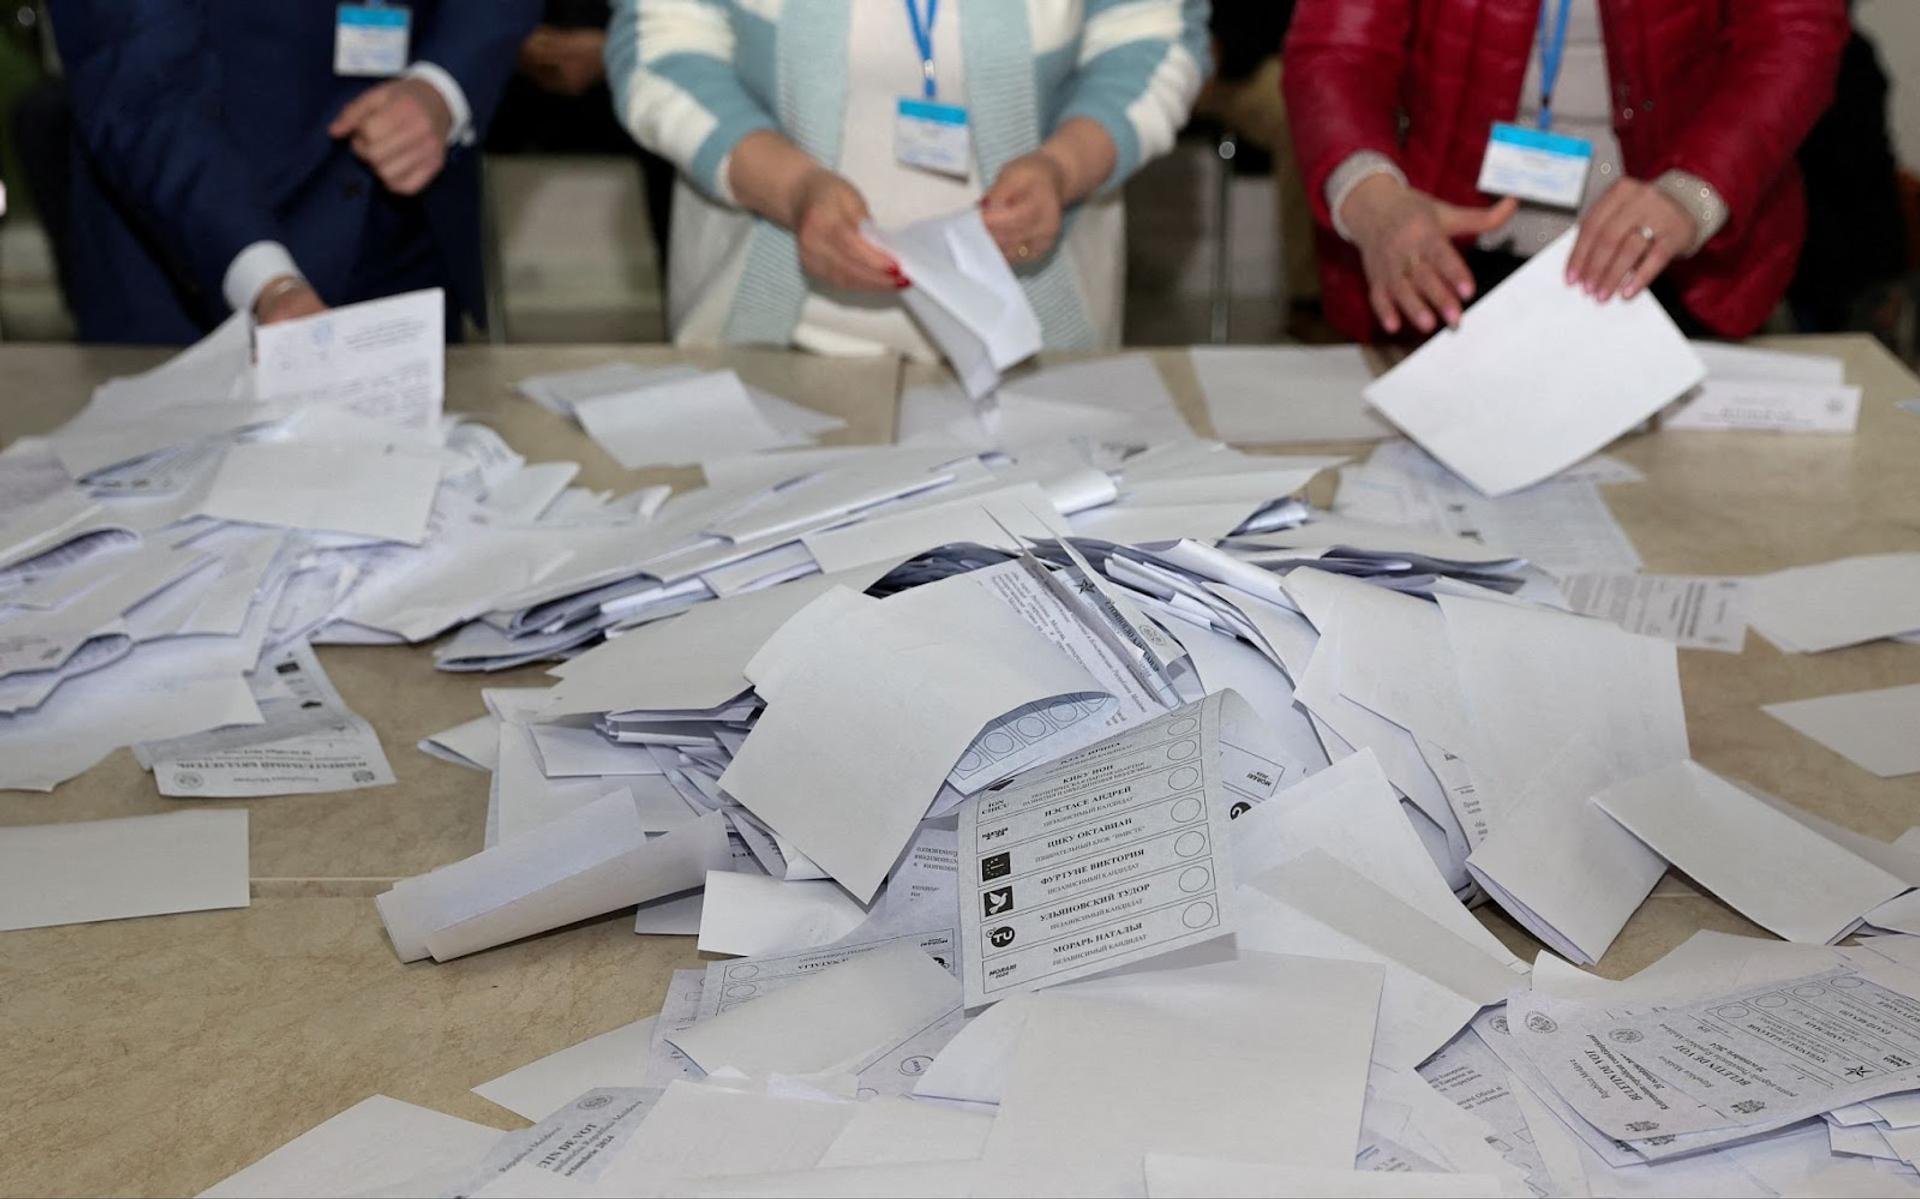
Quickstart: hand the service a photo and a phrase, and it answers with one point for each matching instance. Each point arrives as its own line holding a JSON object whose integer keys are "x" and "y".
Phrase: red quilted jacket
{"x": 1724, "y": 89}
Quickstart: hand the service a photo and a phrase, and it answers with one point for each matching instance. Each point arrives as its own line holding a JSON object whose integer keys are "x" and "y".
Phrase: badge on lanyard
{"x": 370, "y": 40}
{"x": 927, "y": 134}
{"x": 1539, "y": 165}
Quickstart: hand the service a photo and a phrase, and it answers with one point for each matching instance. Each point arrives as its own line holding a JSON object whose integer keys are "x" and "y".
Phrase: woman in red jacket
{"x": 1692, "y": 111}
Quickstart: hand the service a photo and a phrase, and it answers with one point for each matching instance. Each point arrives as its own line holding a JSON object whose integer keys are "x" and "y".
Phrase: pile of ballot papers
{"x": 1078, "y": 808}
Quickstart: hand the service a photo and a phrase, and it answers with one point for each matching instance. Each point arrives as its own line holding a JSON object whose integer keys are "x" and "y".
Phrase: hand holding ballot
{"x": 1628, "y": 239}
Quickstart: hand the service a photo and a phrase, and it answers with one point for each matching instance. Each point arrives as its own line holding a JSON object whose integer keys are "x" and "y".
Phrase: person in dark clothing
{"x": 558, "y": 103}
{"x": 231, "y": 160}
{"x": 1856, "y": 232}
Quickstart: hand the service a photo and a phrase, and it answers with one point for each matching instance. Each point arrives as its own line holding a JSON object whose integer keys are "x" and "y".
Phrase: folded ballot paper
{"x": 965, "y": 296}
{"x": 1538, "y": 376}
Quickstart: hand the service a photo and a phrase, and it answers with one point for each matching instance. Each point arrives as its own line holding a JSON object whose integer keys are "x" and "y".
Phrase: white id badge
{"x": 370, "y": 40}
{"x": 933, "y": 137}
{"x": 1537, "y": 166}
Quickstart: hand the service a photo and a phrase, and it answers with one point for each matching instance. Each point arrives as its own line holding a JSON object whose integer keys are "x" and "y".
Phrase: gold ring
{"x": 1022, "y": 251}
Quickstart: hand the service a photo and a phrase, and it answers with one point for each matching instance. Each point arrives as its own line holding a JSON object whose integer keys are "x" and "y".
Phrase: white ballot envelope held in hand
{"x": 1538, "y": 376}
{"x": 965, "y": 295}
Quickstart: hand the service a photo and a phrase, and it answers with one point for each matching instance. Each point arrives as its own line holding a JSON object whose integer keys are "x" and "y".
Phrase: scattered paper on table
{"x": 1287, "y": 393}
{"x": 1693, "y": 613}
{"x": 113, "y": 869}
{"x": 1875, "y": 730}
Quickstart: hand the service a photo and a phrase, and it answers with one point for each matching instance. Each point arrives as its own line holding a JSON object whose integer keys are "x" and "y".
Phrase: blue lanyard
{"x": 923, "y": 40}
{"x": 1552, "y": 49}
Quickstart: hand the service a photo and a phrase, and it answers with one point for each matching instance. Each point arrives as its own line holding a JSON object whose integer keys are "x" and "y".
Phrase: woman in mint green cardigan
{"x": 785, "y": 118}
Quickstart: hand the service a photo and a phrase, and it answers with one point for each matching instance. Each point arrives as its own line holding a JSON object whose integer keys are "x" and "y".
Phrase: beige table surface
{"x": 156, "y": 1056}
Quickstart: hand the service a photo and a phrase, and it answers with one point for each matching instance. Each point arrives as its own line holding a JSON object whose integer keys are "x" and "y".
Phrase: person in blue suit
{"x": 224, "y": 163}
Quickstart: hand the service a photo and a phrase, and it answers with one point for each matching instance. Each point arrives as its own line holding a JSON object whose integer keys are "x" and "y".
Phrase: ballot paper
{"x": 835, "y": 1021}
{"x": 560, "y": 391}
{"x": 1467, "y": 1073}
{"x": 1811, "y": 609}
{"x": 1435, "y": 982}
{"x": 309, "y": 742}
{"x": 572, "y": 1143}
{"x": 615, "y": 1058}
{"x": 167, "y": 688}
{"x": 595, "y": 860}
{"x": 1693, "y": 613}
{"x": 1778, "y": 872}
{"x": 1129, "y": 384}
{"x": 385, "y": 494}
{"x": 691, "y": 1133}
{"x": 1752, "y": 364}
{"x": 996, "y": 519}
{"x": 853, "y": 746}
{"x": 965, "y": 296}
{"x": 1350, "y": 812}
{"x": 1090, "y": 634}
{"x": 1770, "y": 406}
{"x": 375, "y": 1144}
{"x": 1105, "y": 857}
{"x": 1727, "y": 1065}
{"x": 112, "y": 869}
{"x": 1872, "y": 729}
{"x": 384, "y": 360}
{"x": 752, "y": 914}
{"x": 681, "y": 420}
{"x": 1171, "y": 1176}
{"x": 1097, "y": 1084}
{"x": 1561, "y": 707}
{"x": 1559, "y": 865}
{"x": 1287, "y": 394}
{"x": 889, "y": 1130}
{"x": 1538, "y": 376}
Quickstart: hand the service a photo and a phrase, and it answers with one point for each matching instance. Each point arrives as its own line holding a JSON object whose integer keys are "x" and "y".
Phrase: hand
{"x": 1022, "y": 209}
{"x": 564, "y": 61}
{"x": 1627, "y": 239}
{"x": 1406, "y": 239}
{"x": 279, "y": 302}
{"x": 825, "y": 216}
{"x": 399, "y": 128}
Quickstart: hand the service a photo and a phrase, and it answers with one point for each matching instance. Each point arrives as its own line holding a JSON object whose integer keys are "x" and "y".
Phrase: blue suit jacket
{"x": 202, "y": 128}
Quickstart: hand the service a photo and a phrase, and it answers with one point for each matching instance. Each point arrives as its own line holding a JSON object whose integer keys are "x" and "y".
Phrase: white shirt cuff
{"x": 1358, "y": 167}
{"x": 251, "y": 270}
{"x": 460, "y": 133}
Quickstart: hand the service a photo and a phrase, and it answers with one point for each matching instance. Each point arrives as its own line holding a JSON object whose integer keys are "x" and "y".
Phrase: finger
{"x": 393, "y": 122}
{"x": 1383, "y": 308}
{"x": 1633, "y": 248}
{"x": 399, "y": 171}
{"x": 1472, "y": 222}
{"x": 870, "y": 256}
{"x": 1603, "y": 243}
{"x": 1452, "y": 268}
{"x": 416, "y": 178}
{"x": 863, "y": 264}
{"x": 1649, "y": 269}
{"x": 1407, "y": 297}
{"x": 1434, "y": 290}
{"x": 394, "y": 153}
{"x": 1003, "y": 218}
{"x": 359, "y": 109}
{"x": 1593, "y": 226}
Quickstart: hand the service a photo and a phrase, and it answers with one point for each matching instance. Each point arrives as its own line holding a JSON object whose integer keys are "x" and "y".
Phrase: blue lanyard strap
{"x": 1553, "y": 48}
{"x": 923, "y": 41}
